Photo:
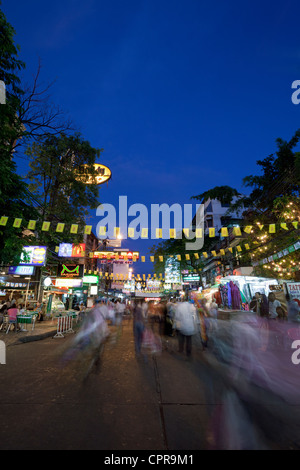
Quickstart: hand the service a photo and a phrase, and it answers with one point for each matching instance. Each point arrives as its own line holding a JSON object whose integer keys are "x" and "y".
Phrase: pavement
{"x": 42, "y": 330}
{"x": 164, "y": 401}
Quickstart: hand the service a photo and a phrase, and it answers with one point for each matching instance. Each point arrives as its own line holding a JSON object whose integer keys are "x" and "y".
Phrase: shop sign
{"x": 70, "y": 271}
{"x": 21, "y": 270}
{"x": 90, "y": 279}
{"x": 116, "y": 255}
{"x": 101, "y": 174}
{"x": 34, "y": 255}
{"x": 191, "y": 278}
{"x": 71, "y": 250}
{"x": 294, "y": 290}
{"x": 61, "y": 282}
{"x": 276, "y": 287}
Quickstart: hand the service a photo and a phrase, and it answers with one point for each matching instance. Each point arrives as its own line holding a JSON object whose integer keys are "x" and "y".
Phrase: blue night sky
{"x": 182, "y": 95}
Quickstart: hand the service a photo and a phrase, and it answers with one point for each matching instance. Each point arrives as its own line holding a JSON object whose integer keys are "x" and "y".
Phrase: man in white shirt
{"x": 185, "y": 319}
{"x": 273, "y": 304}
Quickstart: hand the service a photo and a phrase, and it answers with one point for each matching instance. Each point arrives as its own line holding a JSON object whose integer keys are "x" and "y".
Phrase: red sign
{"x": 78, "y": 251}
{"x": 116, "y": 255}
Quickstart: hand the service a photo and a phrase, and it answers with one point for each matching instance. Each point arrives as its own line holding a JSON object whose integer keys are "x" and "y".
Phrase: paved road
{"x": 165, "y": 403}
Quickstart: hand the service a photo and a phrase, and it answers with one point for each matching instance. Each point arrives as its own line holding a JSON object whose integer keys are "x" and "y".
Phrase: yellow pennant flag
{"x": 74, "y": 228}
{"x": 272, "y": 228}
{"x": 295, "y": 224}
{"x": 17, "y": 223}
{"x": 117, "y": 257}
{"x": 212, "y": 232}
{"x": 230, "y": 249}
{"x": 248, "y": 228}
{"x": 152, "y": 258}
{"x": 199, "y": 233}
{"x": 222, "y": 252}
{"x": 134, "y": 258}
{"x": 237, "y": 231}
{"x": 31, "y": 224}
{"x": 214, "y": 253}
{"x": 161, "y": 258}
{"x": 45, "y": 226}
{"x": 172, "y": 233}
{"x": 260, "y": 226}
{"x": 60, "y": 227}
{"x": 283, "y": 225}
{"x": 143, "y": 259}
{"x": 239, "y": 248}
{"x": 88, "y": 229}
{"x": 179, "y": 257}
{"x": 130, "y": 232}
{"x": 205, "y": 254}
{"x": 158, "y": 233}
{"x": 247, "y": 246}
{"x": 196, "y": 255}
{"x": 102, "y": 230}
{"x": 186, "y": 232}
{"x": 56, "y": 249}
{"x": 224, "y": 232}
{"x": 3, "y": 220}
{"x": 144, "y": 233}
{"x": 187, "y": 257}
{"x": 116, "y": 231}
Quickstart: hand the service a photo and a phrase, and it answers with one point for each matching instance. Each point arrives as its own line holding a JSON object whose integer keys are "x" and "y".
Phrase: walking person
{"x": 139, "y": 322}
{"x": 185, "y": 318}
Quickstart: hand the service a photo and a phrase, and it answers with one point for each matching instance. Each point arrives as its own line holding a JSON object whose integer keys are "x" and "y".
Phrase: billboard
{"x": 70, "y": 271}
{"x": 34, "y": 255}
{"x": 70, "y": 250}
{"x": 21, "y": 270}
{"x": 294, "y": 290}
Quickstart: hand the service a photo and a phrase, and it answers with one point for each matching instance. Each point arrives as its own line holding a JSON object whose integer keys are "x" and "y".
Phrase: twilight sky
{"x": 182, "y": 95}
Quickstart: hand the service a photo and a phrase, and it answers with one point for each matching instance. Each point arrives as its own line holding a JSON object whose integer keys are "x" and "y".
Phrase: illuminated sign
{"x": 101, "y": 174}
{"x": 117, "y": 255}
{"x": 61, "y": 282}
{"x": 191, "y": 278}
{"x": 70, "y": 250}
{"x": 90, "y": 279}
{"x": 34, "y": 255}
{"x": 21, "y": 270}
{"x": 70, "y": 271}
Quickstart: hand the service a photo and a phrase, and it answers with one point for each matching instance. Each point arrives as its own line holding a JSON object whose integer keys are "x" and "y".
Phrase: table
{"x": 25, "y": 319}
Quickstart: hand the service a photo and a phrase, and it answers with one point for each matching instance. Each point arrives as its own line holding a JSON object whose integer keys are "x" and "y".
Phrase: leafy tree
{"x": 224, "y": 194}
{"x": 63, "y": 197}
{"x": 14, "y": 200}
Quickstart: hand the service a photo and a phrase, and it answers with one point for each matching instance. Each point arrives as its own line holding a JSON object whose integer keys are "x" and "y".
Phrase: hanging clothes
{"x": 236, "y": 299}
{"x": 229, "y": 294}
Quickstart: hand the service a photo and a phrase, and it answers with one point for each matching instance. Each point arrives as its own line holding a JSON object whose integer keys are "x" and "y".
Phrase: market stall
{"x": 236, "y": 292}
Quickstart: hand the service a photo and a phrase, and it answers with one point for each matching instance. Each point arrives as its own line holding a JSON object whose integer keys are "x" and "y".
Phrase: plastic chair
{"x": 11, "y": 322}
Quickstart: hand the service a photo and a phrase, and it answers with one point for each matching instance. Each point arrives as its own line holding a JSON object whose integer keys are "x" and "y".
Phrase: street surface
{"x": 163, "y": 402}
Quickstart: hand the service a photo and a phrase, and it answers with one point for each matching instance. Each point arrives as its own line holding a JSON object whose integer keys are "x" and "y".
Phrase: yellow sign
{"x": 101, "y": 175}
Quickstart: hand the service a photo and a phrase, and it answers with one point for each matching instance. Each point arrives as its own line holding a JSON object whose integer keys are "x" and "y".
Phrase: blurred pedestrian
{"x": 139, "y": 322}
{"x": 293, "y": 315}
{"x": 185, "y": 318}
{"x": 273, "y": 305}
